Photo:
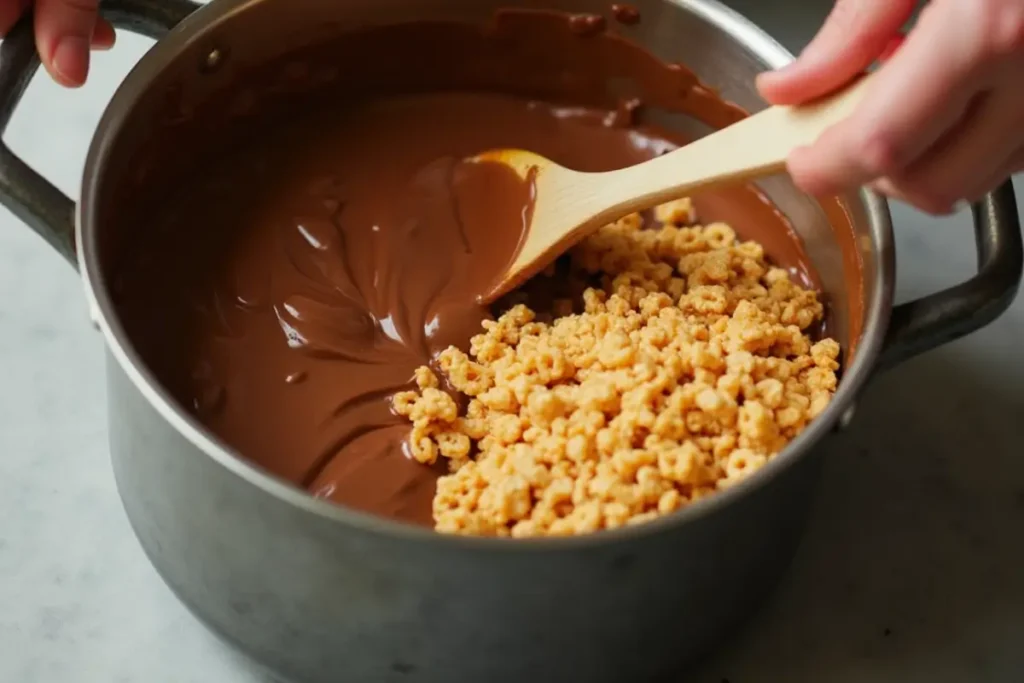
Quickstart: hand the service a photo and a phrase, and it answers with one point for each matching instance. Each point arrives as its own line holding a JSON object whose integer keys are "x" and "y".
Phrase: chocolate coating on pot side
{"x": 626, "y": 14}
{"x": 288, "y": 292}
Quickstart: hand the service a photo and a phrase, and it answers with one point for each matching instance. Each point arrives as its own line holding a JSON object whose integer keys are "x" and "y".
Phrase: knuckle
{"x": 880, "y": 154}
{"x": 1008, "y": 37}
{"x": 804, "y": 180}
{"x": 927, "y": 194}
{"x": 809, "y": 178}
{"x": 1001, "y": 23}
{"x": 934, "y": 202}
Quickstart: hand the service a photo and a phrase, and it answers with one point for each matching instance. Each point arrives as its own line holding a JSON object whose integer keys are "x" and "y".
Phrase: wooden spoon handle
{"x": 753, "y": 147}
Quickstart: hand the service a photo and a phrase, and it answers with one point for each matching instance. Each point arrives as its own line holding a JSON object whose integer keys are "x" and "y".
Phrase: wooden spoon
{"x": 568, "y": 205}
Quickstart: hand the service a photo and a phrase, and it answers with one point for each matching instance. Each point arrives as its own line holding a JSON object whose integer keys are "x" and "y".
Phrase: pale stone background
{"x": 912, "y": 569}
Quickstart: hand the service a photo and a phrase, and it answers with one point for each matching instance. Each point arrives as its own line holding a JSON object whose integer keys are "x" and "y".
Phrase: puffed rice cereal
{"x": 688, "y": 369}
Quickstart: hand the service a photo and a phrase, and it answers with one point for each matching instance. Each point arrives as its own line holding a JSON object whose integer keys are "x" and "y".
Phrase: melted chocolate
{"x": 587, "y": 24}
{"x": 313, "y": 266}
{"x": 626, "y": 14}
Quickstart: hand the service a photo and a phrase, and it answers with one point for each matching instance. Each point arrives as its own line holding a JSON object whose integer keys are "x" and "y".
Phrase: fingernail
{"x": 71, "y": 60}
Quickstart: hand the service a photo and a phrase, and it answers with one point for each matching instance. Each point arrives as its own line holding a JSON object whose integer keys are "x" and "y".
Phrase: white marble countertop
{"x": 913, "y": 569}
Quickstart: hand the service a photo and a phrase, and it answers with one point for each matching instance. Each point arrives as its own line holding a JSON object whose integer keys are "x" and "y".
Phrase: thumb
{"x": 64, "y": 31}
{"x": 855, "y": 34}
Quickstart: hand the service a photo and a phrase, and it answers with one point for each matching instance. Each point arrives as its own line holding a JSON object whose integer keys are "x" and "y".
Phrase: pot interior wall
{"x": 251, "y": 62}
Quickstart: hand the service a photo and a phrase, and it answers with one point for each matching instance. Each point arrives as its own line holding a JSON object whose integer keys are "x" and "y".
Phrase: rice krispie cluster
{"x": 689, "y": 366}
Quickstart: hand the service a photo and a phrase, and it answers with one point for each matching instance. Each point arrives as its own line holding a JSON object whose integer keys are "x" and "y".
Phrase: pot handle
{"x": 921, "y": 325}
{"x": 29, "y": 196}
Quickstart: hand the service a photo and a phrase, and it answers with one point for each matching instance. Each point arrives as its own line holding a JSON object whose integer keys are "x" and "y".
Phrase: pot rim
{"x": 741, "y": 29}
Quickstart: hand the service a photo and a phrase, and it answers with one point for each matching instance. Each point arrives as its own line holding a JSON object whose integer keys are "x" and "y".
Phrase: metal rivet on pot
{"x": 213, "y": 60}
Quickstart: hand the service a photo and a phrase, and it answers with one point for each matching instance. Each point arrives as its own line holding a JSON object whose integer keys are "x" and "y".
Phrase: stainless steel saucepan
{"x": 320, "y": 593}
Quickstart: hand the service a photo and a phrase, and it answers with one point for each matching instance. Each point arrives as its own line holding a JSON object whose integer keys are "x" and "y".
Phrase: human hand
{"x": 65, "y": 30}
{"x": 944, "y": 120}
